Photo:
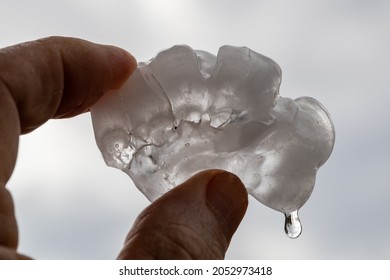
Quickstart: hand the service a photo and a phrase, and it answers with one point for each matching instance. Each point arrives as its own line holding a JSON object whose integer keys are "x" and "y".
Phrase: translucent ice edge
{"x": 185, "y": 111}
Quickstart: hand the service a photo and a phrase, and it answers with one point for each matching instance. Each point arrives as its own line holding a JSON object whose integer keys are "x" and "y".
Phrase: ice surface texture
{"x": 187, "y": 110}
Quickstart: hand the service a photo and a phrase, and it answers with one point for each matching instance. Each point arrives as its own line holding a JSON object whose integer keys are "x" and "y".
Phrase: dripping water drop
{"x": 292, "y": 225}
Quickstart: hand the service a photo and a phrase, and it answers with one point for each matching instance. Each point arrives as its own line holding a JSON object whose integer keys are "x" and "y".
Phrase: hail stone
{"x": 185, "y": 111}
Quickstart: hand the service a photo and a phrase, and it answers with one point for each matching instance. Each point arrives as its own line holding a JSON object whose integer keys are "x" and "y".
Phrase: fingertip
{"x": 227, "y": 199}
{"x": 122, "y": 64}
{"x": 91, "y": 71}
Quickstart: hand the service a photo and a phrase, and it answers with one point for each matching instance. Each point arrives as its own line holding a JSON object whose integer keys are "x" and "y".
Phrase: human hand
{"x": 63, "y": 77}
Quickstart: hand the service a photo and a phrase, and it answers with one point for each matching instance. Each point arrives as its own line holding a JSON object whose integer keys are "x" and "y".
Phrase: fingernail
{"x": 227, "y": 199}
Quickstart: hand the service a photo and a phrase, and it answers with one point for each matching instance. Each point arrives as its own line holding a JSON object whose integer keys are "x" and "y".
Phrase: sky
{"x": 70, "y": 205}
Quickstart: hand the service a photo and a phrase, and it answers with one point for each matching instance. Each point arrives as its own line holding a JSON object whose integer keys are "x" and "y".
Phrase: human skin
{"x": 60, "y": 77}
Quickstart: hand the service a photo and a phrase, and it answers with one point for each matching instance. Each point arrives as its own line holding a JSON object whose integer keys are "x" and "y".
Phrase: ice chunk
{"x": 186, "y": 111}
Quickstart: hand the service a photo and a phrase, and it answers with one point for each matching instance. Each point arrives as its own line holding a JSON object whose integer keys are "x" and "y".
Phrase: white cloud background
{"x": 69, "y": 205}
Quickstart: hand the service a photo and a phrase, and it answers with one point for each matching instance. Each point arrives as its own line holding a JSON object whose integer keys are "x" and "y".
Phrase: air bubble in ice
{"x": 187, "y": 110}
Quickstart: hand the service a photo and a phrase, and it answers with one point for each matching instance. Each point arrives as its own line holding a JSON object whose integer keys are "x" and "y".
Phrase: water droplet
{"x": 186, "y": 158}
{"x": 292, "y": 225}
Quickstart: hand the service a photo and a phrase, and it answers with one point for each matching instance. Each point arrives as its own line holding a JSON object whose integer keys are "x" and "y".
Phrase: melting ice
{"x": 187, "y": 110}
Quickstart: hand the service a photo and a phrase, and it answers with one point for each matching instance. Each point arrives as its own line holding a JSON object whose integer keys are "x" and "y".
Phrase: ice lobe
{"x": 186, "y": 110}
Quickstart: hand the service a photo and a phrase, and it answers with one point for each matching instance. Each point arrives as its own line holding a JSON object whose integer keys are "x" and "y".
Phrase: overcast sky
{"x": 69, "y": 205}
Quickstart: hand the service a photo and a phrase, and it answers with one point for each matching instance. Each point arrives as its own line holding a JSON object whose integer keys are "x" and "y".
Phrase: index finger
{"x": 60, "y": 77}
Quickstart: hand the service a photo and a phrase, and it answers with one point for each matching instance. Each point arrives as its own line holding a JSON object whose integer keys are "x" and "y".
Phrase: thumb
{"x": 195, "y": 220}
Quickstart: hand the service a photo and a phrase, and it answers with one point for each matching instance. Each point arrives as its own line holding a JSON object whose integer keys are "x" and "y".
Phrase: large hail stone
{"x": 186, "y": 111}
